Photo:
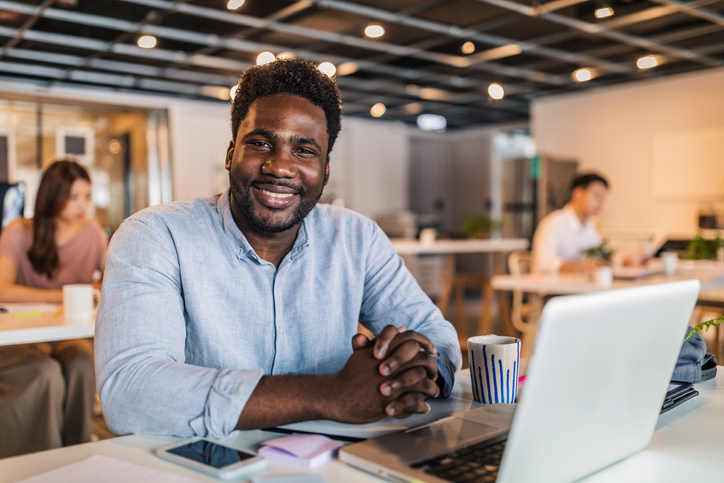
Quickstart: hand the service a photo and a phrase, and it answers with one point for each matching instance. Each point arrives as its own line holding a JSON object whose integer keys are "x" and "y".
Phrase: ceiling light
{"x": 347, "y": 68}
{"x": 496, "y": 91}
{"x": 412, "y": 108}
{"x": 431, "y": 122}
{"x": 114, "y": 146}
{"x": 647, "y": 62}
{"x": 468, "y": 47}
{"x": 217, "y": 92}
{"x": 234, "y": 4}
{"x": 265, "y": 58}
{"x": 603, "y": 12}
{"x": 286, "y": 55}
{"x": 582, "y": 75}
{"x": 377, "y": 110}
{"x": 232, "y": 91}
{"x": 327, "y": 68}
{"x": 147, "y": 42}
{"x": 374, "y": 31}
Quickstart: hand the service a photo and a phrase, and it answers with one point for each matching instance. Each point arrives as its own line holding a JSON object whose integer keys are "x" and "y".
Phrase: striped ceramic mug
{"x": 494, "y": 364}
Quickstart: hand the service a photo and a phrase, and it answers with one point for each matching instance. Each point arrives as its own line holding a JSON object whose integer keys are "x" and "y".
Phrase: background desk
{"x": 542, "y": 287}
{"x": 47, "y": 327}
{"x": 450, "y": 248}
{"x": 686, "y": 446}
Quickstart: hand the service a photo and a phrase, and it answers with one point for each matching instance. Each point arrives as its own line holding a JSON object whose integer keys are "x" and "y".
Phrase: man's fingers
{"x": 406, "y": 380}
{"x": 359, "y": 341}
{"x": 408, "y": 335}
{"x": 422, "y": 359}
{"x": 407, "y": 404}
{"x": 400, "y": 356}
{"x": 383, "y": 339}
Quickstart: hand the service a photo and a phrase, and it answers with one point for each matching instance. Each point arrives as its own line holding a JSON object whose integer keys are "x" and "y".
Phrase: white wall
{"x": 200, "y": 135}
{"x": 370, "y": 166}
{"x": 612, "y": 131}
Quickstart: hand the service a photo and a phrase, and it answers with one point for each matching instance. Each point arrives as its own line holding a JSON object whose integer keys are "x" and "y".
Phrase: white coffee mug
{"x": 494, "y": 367}
{"x": 604, "y": 277}
{"x": 670, "y": 259}
{"x": 428, "y": 235}
{"x": 78, "y": 302}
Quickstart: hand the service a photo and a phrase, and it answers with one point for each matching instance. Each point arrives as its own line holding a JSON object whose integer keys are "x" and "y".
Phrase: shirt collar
{"x": 223, "y": 206}
{"x": 573, "y": 217}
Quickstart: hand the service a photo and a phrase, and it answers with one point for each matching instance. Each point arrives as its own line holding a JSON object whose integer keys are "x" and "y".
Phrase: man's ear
{"x": 229, "y": 154}
{"x": 326, "y": 172}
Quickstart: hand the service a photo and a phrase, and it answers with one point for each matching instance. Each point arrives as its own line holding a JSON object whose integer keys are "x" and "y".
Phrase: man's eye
{"x": 305, "y": 151}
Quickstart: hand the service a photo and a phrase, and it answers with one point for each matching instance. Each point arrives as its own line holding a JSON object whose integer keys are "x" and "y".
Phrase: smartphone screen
{"x": 211, "y": 454}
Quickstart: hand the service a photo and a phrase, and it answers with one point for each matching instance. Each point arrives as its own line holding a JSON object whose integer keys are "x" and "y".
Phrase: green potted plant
{"x": 479, "y": 226}
{"x": 599, "y": 252}
{"x": 702, "y": 249}
{"x": 707, "y": 324}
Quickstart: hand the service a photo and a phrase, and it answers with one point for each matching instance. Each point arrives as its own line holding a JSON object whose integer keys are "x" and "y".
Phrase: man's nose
{"x": 280, "y": 164}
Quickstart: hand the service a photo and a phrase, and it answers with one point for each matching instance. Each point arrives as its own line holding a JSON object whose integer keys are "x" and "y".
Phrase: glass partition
{"x": 125, "y": 151}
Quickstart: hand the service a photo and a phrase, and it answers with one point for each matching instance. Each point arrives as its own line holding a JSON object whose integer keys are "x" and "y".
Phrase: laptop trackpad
{"x": 449, "y": 433}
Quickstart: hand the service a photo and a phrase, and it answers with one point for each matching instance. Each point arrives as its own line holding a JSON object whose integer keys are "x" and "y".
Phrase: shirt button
{"x": 241, "y": 250}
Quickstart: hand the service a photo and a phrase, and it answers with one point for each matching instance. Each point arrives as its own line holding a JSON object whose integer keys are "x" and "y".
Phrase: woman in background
{"x": 47, "y": 390}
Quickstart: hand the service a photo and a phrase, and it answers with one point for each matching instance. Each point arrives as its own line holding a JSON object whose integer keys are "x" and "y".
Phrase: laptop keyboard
{"x": 477, "y": 463}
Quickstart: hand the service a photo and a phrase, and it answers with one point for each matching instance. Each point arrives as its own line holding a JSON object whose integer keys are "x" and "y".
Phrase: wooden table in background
{"x": 450, "y": 248}
{"x": 543, "y": 287}
{"x": 44, "y": 327}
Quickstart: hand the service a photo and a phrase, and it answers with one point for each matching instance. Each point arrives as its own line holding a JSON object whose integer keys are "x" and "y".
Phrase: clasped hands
{"x": 390, "y": 375}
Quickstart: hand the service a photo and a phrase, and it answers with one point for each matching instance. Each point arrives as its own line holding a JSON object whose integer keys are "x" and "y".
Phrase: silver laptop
{"x": 594, "y": 390}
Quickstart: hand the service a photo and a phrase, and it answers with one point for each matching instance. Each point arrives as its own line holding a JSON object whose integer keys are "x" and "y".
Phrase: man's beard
{"x": 243, "y": 199}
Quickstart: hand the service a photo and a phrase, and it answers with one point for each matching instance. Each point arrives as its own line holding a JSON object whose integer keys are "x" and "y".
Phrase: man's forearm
{"x": 280, "y": 400}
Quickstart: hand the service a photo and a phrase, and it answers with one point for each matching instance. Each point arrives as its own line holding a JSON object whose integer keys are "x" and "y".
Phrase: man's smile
{"x": 274, "y": 196}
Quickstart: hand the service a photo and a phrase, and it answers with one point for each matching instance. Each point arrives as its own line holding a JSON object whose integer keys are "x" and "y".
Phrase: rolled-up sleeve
{"x": 144, "y": 384}
{"x": 393, "y": 297}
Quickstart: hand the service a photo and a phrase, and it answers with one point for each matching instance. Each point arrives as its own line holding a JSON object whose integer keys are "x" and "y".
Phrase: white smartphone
{"x": 213, "y": 459}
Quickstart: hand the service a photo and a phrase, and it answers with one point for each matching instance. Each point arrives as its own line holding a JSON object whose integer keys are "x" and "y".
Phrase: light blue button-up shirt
{"x": 191, "y": 318}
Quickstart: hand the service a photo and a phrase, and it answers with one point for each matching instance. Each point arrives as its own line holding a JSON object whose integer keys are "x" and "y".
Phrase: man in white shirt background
{"x": 563, "y": 235}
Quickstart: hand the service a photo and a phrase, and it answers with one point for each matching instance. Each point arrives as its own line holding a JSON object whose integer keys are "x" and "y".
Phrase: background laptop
{"x": 594, "y": 390}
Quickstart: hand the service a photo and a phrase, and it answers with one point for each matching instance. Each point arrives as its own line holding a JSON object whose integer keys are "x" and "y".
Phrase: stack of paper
{"x": 306, "y": 450}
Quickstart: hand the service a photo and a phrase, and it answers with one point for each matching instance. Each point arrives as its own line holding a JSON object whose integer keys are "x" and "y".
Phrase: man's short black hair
{"x": 289, "y": 76}
{"x": 584, "y": 180}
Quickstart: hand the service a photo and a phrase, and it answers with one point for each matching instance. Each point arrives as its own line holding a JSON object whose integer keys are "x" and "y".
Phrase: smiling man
{"x": 240, "y": 311}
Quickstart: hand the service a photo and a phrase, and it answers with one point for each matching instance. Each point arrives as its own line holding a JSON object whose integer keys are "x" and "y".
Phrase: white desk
{"x": 450, "y": 248}
{"x": 541, "y": 287}
{"x": 46, "y": 327}
{"x": 686, "y": 446}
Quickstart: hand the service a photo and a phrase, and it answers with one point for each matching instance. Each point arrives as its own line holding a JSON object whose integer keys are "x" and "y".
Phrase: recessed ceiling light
{"x": 347, "y": 68}
{"x": 603, "y": 12}
{"x": 286, "y": 55}
{"x": 412, "y": 108}
{"x": 327, "y": 68}
{"x": 468, "y": 47}
{"x": 647, "y": 62}
{"x": 147, "y": 42}
{"x": 374, "y": 31}
{"x": 265, "y": 58}
{"x": 234, "y": 4}
{"x": 496, "y": 91}
{"x": 582, "y": 75}
{"x": 431, "y": 122}
{"x": 378, "y": 109}
{"x": 232, "y": 91}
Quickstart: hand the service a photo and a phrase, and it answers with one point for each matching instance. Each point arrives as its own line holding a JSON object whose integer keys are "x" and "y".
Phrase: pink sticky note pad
{"x": 306, "y": 450}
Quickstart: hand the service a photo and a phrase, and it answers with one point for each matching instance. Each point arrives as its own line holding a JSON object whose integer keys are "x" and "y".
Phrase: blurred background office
{"x": 454, "y": 110}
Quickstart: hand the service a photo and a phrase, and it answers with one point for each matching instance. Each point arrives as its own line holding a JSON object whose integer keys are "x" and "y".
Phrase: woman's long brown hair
{"x": 53, "y": 195}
